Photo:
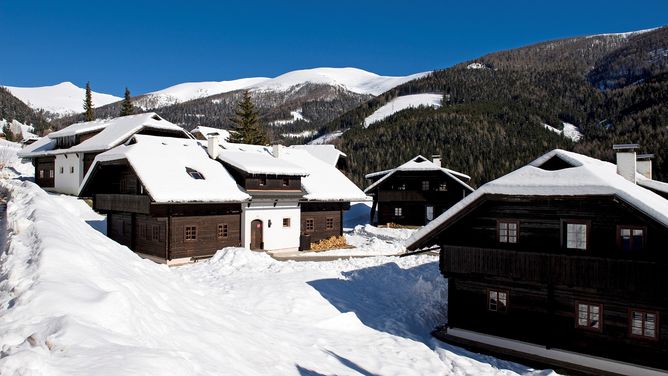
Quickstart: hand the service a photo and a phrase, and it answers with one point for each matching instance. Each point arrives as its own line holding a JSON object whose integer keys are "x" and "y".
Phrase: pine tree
{"x": 247, "y": 128}
{"x": 88, "y": 104}
{"x": 126, "y": 106}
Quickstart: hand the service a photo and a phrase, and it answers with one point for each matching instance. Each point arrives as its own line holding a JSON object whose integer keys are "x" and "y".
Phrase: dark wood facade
{"x": 45, "y": 171}
{"x": 414, "y": 198}
{"x": 322, "y": 220}
{"x": 546, "y": 284}
{"x": 162, "y": 230}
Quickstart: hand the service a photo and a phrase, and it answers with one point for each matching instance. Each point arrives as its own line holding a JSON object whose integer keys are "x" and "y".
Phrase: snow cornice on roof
{"x": 586, "y": 177}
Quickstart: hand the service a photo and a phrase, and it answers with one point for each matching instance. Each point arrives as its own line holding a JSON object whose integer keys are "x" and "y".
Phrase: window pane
{"x": 576, "y": 236}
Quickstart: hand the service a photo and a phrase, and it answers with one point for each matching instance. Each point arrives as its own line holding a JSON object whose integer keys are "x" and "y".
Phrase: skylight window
{"x": 194, "y": 174}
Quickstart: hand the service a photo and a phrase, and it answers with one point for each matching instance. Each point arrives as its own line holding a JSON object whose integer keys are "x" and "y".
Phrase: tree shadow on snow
{"x": 408, "y": 303}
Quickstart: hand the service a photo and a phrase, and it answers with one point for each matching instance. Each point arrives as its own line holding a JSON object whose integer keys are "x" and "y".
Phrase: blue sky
{"x": 149, "y": 45}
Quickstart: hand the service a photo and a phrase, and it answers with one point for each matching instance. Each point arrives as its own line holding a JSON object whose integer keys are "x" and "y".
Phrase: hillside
{"x": 494, "y": 107}
{"x": 319, "y": 95}
{"x": 58, "y": 100}
{"x": 12, "y": 108}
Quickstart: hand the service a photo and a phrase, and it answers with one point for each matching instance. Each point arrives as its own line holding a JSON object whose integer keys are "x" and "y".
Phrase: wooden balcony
{"x": 557, "y": 269}
{"x": 123, "y": 203}
{"x": 413, "y": 195}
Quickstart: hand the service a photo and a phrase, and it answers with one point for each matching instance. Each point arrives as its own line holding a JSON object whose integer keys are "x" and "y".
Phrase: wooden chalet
{"x": 560, "y": 262}
{"x": 415, "y": 193}
{"x": 166, "y": 199}
{"x": 297, "y": 198}
{"x": 63, "y": 158}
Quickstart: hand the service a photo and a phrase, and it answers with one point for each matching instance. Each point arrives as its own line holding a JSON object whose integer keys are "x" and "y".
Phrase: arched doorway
{"x": 256, "y": 234}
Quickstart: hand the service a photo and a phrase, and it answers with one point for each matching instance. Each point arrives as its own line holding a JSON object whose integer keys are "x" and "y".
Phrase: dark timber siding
{"x": 273, "y": 183}
{"x": 150, "y": 235}
{"x": 319, "y": 213}
{"x": 47, "y": 166}
{"x": 545, "y": 281}
{"x": 119, "y": 228}
{"x": 207, "y": 242}
{"x": 88, "y": 161}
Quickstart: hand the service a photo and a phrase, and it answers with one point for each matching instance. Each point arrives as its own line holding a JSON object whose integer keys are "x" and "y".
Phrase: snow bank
{"x": 401, "y": 103}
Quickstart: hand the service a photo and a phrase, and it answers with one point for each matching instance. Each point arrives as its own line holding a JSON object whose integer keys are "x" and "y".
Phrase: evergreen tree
{"x": 126, "y": 106}
{"x": 88, "y": 104}
{"x": 247, "y": 128}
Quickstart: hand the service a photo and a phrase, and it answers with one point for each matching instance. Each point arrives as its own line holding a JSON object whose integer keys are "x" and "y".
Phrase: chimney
{"x": 436, "y": 159}
{"x": 276, "y": 150}
{"x": 626, "y": 161}
{"x": 644, "y": 165}
{"x": 213, "y": 147}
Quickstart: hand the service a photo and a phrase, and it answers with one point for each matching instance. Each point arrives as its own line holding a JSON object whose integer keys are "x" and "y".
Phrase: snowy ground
{"x": 73, "y": 302}
{"x": 401, "y": 103}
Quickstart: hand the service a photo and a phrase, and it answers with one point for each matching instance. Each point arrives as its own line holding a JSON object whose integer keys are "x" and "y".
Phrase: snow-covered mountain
{"x": 62, "y": 99}
{"x": 351, "y": 79}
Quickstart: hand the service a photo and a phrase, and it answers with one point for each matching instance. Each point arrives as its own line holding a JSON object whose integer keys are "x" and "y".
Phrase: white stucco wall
{"x": 67, "y": 181}
{"x": 276, "y": 236}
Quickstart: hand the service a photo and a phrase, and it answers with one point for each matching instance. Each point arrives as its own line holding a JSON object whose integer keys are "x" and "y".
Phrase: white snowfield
{"x": 73, "y": 302}
{"x": 569, "y": 131}
{"x": 351, "y": 79}
{"x": 401, "y": 103}
{"x": 62, "y": 99}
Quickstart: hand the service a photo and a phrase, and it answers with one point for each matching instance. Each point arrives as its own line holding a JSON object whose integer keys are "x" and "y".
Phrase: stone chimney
{"x": 213, "y": 147}
{"x": 626, "y": 161}
{"x": 644, "y": 165}
{"x": 276, "y": 150}
{"x": 436, "y": 159}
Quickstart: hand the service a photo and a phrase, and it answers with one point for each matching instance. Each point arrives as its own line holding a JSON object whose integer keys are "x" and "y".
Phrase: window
{"x": 576, "y": 235}
{"x": 425, "y": 185}
{"x": 286, "y": 182}
{"x": 51, "y": 173}
{"x": 156, "y": 233}
{"x": 589, "y": 316}
{"x": 497, "y": 300}
{"x": 401, "y": 187}
{"x": 286, "y": 222}
{"x": 429, "y": 212}
{"x": 62, "y": 169}
{"x": 196, "y": 175}
{"x": 644, "y": 324}
{"x": 329, "y": 223}
{"x": 263, "y": 181}
{"x": 443, "y": 187}
{"x": 398, "y": 212}
{"x": 508, "y": 231}
{"x": 41, "y": 174}
{"x": 190, "y": 233}
{"x": 309, "y": 224}
{"x": 631, "y": 238}
{"x": 71, "y": 169}
{"x": 222, "y": 231}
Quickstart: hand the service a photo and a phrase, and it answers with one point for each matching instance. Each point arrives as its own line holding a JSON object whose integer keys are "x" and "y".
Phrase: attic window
{"x": 194, "y": 174}
{"x": 156, "y": 117}
{"x": 555, "y": 163}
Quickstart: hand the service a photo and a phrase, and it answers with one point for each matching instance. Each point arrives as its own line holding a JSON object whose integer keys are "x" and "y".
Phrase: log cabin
{"x": 62, "y": 158}
{"x": 166, "y": 199}
{"x": 561, "y": 262}
{"x": 415, "y": 193}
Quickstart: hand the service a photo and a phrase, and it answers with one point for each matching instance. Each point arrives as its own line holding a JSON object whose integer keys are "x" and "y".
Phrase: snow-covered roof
{"x": 654, "y": 185}
{"x": 324, "y": 181}
{"x": 113, "y": 132}
{"x": 163, "y": 165}
{"x": 586, "y": 177}
{"x": 418, "y": 163}
{"x": 255, "y": 159}
{"x": 205, "y": 131}
{"x": 326, "y": 153}
{"x": 40, "y": 146}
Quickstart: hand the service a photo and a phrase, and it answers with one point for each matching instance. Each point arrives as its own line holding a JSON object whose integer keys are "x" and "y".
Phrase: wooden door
{"x": 256, "y": 234}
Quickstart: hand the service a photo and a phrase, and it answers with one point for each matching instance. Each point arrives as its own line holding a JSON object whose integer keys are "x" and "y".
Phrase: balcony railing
{"x": 123, "y": 203}
{"x": 557, "y": 269}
